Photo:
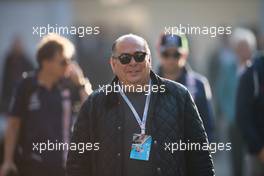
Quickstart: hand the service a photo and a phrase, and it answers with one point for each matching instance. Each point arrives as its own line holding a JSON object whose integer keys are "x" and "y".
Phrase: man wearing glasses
{"x": 132, "y": 127}
{"x": 173, "y": 51}
{"x": 41, "y": 112}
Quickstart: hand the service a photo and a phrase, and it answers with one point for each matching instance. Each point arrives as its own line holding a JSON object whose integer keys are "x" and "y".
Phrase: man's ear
{"x": 183, "y": 59}
{"x": 112, "y": 63}
{"x": 185, "y": 55}
{"x": 150, "y": 60}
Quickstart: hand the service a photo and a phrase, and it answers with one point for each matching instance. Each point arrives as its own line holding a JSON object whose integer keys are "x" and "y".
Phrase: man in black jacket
{"x": 250, "y": 113}
{"x": 138, "y": 131}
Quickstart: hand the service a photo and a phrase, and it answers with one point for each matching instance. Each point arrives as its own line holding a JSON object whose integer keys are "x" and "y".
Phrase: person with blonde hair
{"x": 40, "y": 114}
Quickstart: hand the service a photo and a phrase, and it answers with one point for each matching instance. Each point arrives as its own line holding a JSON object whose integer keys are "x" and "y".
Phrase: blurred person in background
{"x": 250, "y": 114}
{"x": 173, "y": 51}
{"x": 15, "y": 64}
{"x": 41, "y": 111}
{"x": 234, "y": 57}
{"x": 79, "y": 86}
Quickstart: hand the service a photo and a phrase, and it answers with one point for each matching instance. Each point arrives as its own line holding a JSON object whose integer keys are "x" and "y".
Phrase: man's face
{"x": 133, "y": 72}
{"x": 243, "y": 51}
{"x": 58, "y": 65}
{"x": 171, "y": 60}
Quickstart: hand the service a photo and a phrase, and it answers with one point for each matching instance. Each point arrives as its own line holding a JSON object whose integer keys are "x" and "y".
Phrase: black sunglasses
{"x": 175, "y": 55}
{"x": 126, "y": 58}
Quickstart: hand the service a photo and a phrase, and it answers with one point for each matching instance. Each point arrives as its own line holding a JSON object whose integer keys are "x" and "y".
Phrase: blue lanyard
{"x": 141, "y": 123}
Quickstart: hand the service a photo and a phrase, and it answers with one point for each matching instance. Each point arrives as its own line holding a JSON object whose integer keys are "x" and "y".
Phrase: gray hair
{"x": 244, "y": 35}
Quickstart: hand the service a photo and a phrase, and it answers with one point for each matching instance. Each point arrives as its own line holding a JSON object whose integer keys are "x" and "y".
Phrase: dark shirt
{"x": 134, "y": 167}
{"x": 42, "y": 117}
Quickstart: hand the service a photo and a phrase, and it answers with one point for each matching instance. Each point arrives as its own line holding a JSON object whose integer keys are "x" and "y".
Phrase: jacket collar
{"x": 112, "y": 98}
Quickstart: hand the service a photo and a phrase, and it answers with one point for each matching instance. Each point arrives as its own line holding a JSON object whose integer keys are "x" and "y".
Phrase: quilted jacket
{"x": 173, "y": 117}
